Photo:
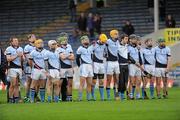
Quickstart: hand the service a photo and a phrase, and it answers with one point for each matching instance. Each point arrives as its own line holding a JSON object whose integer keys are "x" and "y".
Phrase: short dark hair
{"x": 132, "y": 36}
{"x": 147, "y": 40}
{"x": 29, "y": 36}
{"x": 123, "y": 36}
{"x": 11, "y": 39}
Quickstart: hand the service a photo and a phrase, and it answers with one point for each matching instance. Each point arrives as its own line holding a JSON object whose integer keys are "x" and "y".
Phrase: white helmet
{"x": 50, "y": 42}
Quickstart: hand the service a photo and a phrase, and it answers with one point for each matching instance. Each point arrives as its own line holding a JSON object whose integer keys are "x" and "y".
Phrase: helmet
{"x": 51, "y": 42}
{"x": 64, "y": 34}
{"x": 84, "y": 39}
{"x": 38, "y": 43}
{"x": 63, "y": 38}
{"x": 161, "y": 39}
{"x": 103, "y": 38}
{"x": 113, "y": 33}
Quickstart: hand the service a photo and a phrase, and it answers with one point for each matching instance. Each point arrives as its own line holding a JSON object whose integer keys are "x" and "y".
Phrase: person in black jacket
{"x": 72, "y": 7}
{"x": 170, "y": 22}
{"x": 97, "y": 23}
{"x": 82, "y": 21}
{"x": 3, "y": 67}
{"x": 128, "y": 28}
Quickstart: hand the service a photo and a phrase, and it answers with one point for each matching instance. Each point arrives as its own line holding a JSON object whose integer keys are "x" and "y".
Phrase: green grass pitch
{"x": 163, "y": 109}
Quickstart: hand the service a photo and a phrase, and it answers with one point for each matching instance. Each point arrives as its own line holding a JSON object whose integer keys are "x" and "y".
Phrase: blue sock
{"x": 133, "y": 90}
{"x": 138, "y": 95}
{"x": 32, "y": 95}
{"x": 101, "y": 91}
{"x": 42, "y": 94}
{"x": 88, "y": 95}
{"x": 119, "y": 93}
{"x": 143, "y": 92}
{"x": 108, "y": 90}
{"x": 80, "y": 95}
{"x": 56, "y": 98}
{"x": 69, "y": 97}
{"x": 152, "y": 90}
{"x": 131, "y": 95}
{"x": 92, "y": 92}
{"x": 49, "y": 98}
{"x": 122, "y": 95}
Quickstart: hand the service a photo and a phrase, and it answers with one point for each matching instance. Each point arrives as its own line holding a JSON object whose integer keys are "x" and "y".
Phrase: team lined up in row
{"x": 121, "y": 59}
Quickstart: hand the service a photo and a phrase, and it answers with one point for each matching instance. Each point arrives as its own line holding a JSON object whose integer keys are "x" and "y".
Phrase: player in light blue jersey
{"x": 99, "y": 52}
{"x": 84, "y": 61}
{"x": 54, "y": 74}
{"x": 162, "y": 66}
{"x": 14, "y": 55}
{"x": 112, "y": 68}
{"x": 38, "y": 63}
{"x": 66, "y": 60}
{"x": 135, "y": 56}
{"x": 27, "y": 50}
{"x": 149, "y": 66}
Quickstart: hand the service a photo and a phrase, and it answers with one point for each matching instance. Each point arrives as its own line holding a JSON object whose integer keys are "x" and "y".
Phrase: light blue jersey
{"x": 161, "y": 56}
{"x": 85, "y": 55}
{"x": 16, "y": 63}
{"x": 149, "y": 56}
{"x": 135, "y": 54}
{"x": 27, "y": 50}
{"x": 38, "y": 58}
{"x": 98, "y": 52}
{"x": 112, "y": 50}
{"x": 67, "y": 51}
{"x": 53, "y": 59}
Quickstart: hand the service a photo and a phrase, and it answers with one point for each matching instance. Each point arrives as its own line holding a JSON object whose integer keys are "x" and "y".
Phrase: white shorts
{"x": 38, "y": 74}
{"x": 15, "y": 72}
{"x": 160, "y": 72}
{"x": 28, "y": 71}
{"x": 66, "y": 72}
{"x": 86, "y": 70}
{"x": 112, "y": 67}
{"x": 99, "y": 68}
{"x": 54, "y": 74}
{"x": 134, "y": 70}
{"x": 150, "y": 69}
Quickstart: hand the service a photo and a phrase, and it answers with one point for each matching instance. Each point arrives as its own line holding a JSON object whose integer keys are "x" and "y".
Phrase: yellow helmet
{"x": 103, "y": 38}
{"x": 113, "y": 33}
{"x": 38, "y": 43}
